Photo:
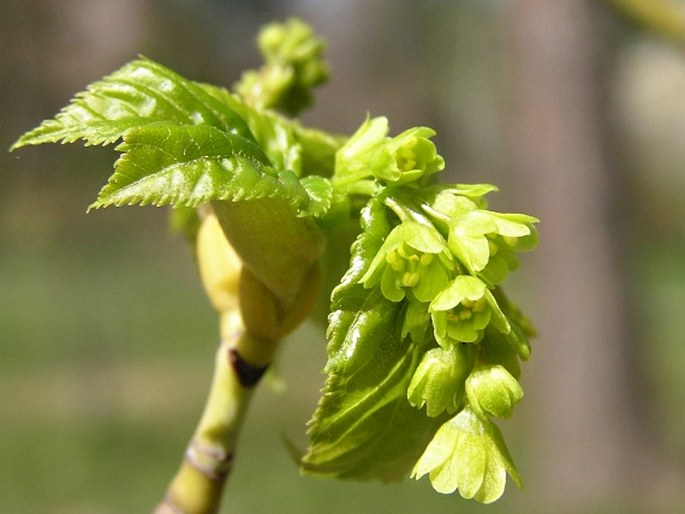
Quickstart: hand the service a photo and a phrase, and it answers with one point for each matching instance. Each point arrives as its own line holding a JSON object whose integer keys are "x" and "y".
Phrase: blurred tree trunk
{"x": 589, "y": 443}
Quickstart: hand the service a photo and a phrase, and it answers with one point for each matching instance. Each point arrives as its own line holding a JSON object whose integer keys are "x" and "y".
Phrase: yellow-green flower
{"x": 370, "y": 154}
{"x": 485, "y": 242}
{"x": 468, "y": 454}
{"x": 492, "y": 391}
{"x": 413, "y": 256}
{"x": 462, "y": 310}
{"x": 410, "y": 156}
{"x": 438, "y": 382}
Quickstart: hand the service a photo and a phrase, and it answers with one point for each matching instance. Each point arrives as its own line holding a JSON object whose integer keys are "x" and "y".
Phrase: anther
{"x": 396, "y": 262}
{"x": 511, "y": 240}
{"x": 426, "y": 259}
{"x": 410, "y": 279}
{"x": 407, "y": 164}
{"x": 465, "y": 314}
{"x": 479, "y": 306}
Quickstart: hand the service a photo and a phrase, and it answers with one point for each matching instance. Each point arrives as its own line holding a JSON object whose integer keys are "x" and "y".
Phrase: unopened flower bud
{"x": 438, "y": 382}
{"x": 492, "y": 391}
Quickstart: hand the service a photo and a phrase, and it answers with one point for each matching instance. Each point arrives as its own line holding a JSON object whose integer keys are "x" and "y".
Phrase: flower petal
{"x": 462, "y": 287}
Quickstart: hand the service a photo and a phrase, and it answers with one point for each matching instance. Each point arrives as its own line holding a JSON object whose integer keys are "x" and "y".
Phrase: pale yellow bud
{"x": 219, "y": 265}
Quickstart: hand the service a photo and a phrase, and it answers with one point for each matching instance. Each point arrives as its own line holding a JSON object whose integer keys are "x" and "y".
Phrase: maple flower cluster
{"x": 445, "y": 257}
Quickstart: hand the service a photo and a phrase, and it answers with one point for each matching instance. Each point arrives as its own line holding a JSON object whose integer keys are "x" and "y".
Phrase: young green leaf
{"x": 318, "y": 149}
{"x": 167, "y": 163}
{"x": 139, "y": 93}
{"x": 349, "y": 297}
{"x": 364, "y": 427}
{"x": 375, "y": 227}
{"x": 287, "y": 143}
{"x": 320, "y": 191}
{"x": 357, "y": 334}
{"x": 354, "y": 428}
{"x": 274, "y": 133}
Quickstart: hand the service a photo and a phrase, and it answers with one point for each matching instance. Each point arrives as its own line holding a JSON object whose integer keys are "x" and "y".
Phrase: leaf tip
{"x": 17, "y": 144}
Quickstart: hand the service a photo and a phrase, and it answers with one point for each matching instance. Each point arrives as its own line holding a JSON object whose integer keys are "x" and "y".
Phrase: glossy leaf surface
{"x": 139, "y": 93}
{"x": 364, "y": 427}
{"x": 165, "y": 163}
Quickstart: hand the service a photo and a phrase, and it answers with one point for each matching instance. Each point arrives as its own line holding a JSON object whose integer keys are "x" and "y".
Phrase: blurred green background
{"x": 106, "y": 339}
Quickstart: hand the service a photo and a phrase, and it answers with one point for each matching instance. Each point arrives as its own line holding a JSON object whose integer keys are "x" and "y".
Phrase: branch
{"x": 253, "y": 322}
{"x": 198, "y": 484}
